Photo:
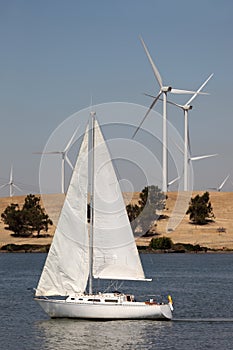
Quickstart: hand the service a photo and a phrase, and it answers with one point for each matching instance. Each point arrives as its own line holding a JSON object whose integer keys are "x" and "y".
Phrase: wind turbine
{"x": 163, "y": 91}
{"x": 186, "y": 107}
{"x": 11, "y": 184}
{"x": 192, "y": 158}
{"x": 221, "y": 185}
{"x": 64, "y": 158}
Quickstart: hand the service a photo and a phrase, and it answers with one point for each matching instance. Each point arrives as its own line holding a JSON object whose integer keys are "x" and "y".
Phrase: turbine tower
{"x": 64, "y": 158}
{"x": 186, "y": 107}
{"x": 163, "y": 91}
{"x": 11, "y": 183}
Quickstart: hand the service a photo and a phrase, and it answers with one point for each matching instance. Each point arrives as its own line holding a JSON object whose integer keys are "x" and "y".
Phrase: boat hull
{"x": 103, "y": 311}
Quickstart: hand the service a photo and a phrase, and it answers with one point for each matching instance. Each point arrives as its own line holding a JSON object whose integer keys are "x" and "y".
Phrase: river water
{"x": 201, "y": 286}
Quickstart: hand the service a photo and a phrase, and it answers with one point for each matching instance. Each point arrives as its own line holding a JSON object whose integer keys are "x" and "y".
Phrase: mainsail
{"x": 115, "y": 254}
{"x": 67, "y": 265}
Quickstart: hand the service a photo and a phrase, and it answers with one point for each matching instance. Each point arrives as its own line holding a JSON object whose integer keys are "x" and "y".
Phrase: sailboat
{"x": 100, "y": 248}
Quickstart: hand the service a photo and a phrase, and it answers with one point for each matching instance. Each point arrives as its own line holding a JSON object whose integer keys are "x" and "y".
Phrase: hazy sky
{"x": 55, "y": 55}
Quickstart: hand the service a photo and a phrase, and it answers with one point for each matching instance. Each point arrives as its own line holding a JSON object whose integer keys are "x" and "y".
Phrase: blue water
{"x": 201, "y": 286}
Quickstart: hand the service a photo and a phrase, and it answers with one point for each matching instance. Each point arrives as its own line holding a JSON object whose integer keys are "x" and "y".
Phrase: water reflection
{"x": 75, "y": 334}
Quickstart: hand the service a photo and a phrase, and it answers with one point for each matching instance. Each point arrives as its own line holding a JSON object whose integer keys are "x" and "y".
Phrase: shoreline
{"x": 12, "y": 248}
{"x": 217, "y": 235}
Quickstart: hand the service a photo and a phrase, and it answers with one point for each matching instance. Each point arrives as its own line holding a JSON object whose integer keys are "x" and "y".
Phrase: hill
{"x": 218, "y": 234}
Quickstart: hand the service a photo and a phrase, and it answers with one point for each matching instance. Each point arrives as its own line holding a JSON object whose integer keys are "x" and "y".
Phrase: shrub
{"x": 161, "y": 243}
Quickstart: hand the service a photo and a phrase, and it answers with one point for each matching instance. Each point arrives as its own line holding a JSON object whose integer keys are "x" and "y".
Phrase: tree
{"x": 36, "y": 217}
{"x": 161, "y": 243}
{"x": 200, "y": 209}
{"x": 152, "y": 195}
{"x": 145, "y": 213}
{"x": 31, "y": 218}
{"x": 133, "y": 212}
{"x": 14, "y": 218}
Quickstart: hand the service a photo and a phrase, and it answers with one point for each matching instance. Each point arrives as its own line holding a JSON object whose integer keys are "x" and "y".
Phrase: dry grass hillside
{"x": 206, "y": 235}
{"x": 184, "y": 232}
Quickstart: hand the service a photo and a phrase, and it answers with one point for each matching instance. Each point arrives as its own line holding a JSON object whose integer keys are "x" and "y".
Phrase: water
{"x": 201, "y": 287}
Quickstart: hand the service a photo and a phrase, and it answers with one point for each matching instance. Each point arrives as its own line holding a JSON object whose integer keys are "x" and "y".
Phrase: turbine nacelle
{"x": 166, "y": 88}
{"x": 187, "y": 107}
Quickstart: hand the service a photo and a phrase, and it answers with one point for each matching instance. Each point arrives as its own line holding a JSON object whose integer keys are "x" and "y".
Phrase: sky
{"x": 57, "y": 56}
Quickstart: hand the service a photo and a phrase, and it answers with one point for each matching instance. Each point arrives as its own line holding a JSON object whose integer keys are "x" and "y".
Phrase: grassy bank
{"x": 216, "y": 235}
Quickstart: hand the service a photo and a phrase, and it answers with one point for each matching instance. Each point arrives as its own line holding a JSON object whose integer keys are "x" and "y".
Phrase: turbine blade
{"x": 187, "y": 92}
{"x": 189, "y": 143}
{"x": 175, "y": 104}
{"x": 151, "y": 106}
{"x": 71, "y": 140}
{"x": 223, "y": 183}
{"x": 3, "y": 186}
{"x": 200, "y": 88}
{"x": 11, "y": 174}
{"x": 149, "y": 95}
{"x": 173, "y": 181}
{"x": 69, "y": 162}
{"x": 18, "y": 188}
{"x": 52, "y": 152}
{"x": 179, "y": 148}
{"x": 203, "y": 157}
{"x": 155, "y": 70}
{"x": 172, "y": 103}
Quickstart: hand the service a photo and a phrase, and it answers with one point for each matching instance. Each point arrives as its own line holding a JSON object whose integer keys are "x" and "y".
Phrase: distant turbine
{"x": 198, "y": 158}
{"x": 163, "y": 90}
{"x": 64, "y": 158}
{"x": 11, "y": 184}
{"x": 222, "y": 184}
{"x": 194, "y": 158}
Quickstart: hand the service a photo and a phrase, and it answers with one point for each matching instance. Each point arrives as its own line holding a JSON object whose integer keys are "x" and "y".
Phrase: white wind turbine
{"x": 11, "y": 184}
{"x": 163, "y": 91}
{"x": 192, "y": 158}
{"x": 186, "y": 107}
{"x": 221, "y": 185}
{"x": 65, "y": 158}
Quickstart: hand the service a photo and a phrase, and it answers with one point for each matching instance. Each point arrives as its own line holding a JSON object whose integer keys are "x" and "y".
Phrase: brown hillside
{"x": 185, "y": 232}
{"x": 206, "y": 235}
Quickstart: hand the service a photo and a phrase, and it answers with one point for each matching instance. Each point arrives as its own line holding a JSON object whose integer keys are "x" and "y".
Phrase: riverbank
{"x": 178, "y": 248}
{"x": 217, "y": 235}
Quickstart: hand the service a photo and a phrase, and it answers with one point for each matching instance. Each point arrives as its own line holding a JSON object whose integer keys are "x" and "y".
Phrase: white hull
{"x": 105, "y": 311}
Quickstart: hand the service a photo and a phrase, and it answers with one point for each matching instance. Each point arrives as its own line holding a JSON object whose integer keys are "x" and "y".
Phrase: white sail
{"x": 115, "y": 254}
{"x": 67, "y": 265}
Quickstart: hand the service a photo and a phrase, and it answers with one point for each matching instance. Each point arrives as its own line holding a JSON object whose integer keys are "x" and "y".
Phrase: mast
{"x": 92, "y": 147}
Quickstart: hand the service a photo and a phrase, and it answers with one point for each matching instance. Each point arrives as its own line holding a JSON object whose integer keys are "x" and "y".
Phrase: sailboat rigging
{"x": 104, "y": 248}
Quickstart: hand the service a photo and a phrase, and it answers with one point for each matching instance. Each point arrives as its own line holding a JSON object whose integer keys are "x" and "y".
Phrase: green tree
{"x": 146, "y": 212}
{"x": 200, "y": 209}
{"x": 31, "y": 218}
{"x": 14, "y": 218}
{"x": 152, "y": 195}
{"x": 161, "y": 243}
{"x": 36, "y": 217}
{"x": 133, "y": 212}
